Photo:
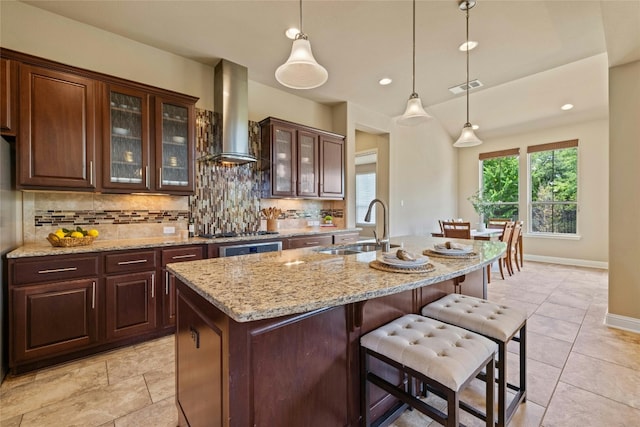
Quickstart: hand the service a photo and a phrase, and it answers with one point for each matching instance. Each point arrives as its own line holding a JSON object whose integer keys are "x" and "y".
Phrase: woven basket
{"x": 68, "y": 242}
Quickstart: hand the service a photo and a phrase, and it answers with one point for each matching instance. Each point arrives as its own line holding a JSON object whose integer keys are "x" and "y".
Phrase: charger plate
{"x": 424, "y": 268}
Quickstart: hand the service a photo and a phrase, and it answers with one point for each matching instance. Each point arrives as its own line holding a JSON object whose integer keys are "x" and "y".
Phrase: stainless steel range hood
{"x": 230, "y": 103}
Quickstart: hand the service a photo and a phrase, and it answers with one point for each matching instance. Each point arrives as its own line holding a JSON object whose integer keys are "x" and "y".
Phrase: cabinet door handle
{"x": 166, "y": 283}
{"x": 93, "y": 295}
{"x": 159, "y": 177}
{"x": 57, "y": 270}
{"x": 146, "y": 172}
{"x": 153, "y": 286}
{"x": 91, "y": 172}
{"x": 183, "y": 256}
{"x": 135, "y": 261}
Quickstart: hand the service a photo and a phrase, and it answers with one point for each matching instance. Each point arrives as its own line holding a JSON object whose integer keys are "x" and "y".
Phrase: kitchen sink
{"x": 357, "y": 248}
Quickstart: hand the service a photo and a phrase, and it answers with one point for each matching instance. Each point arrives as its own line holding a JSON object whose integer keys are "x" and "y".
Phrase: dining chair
{"x": 497, "y": 222}
{"x": 515, "y": 239}
{"x": 505, "y": 260}
{"x": 456, "y": 230}
{"x": 519, "y": 255}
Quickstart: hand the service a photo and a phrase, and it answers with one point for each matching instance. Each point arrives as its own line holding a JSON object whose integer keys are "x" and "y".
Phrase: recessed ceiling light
{"x": 468, "y": 45}
{"x": 475, "y": 127}
{"x": 566, "y": 107}
{"x": 385, "y": 81}
{"x": 291, "y": 33}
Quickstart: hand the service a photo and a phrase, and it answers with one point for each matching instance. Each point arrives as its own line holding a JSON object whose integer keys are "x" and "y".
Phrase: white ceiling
{"x": 533, "y": 56}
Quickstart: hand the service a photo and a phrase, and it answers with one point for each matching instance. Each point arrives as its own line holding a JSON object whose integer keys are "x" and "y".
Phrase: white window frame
{"x": 363, "y": 158}
{"x": 567, "y": 236}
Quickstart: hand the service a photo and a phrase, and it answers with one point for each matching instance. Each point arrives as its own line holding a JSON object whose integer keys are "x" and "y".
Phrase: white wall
{"x": 593, "y": 190}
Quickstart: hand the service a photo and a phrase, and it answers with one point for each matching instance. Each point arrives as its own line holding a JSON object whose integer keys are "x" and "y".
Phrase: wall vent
{"x": 461, "y": 88}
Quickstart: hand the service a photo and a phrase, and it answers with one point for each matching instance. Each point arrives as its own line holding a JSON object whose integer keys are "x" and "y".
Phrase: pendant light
{"x": 467, "y": 137}
{"x": 414, "y": 114}
{"x": 301, "y": 71}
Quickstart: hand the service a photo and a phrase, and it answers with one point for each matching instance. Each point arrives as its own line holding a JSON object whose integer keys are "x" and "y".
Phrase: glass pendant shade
{"x": 414, "y": 114}
{"x": 467, "y": 138}
{"x": 301, "y": 71}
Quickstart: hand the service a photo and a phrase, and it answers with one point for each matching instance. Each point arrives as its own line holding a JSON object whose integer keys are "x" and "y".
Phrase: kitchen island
{"x": 273, "y": 339}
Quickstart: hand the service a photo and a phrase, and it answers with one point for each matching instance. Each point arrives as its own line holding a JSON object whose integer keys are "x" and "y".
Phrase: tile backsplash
{"x": 227, "y": 198}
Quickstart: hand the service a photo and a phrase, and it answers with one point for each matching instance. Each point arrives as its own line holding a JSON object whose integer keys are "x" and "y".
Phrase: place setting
{"x": 451, "y": 250}
{"x": 402, "y": 261}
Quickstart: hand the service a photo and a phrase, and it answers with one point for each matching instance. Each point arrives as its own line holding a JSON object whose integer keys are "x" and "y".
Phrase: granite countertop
{"x": 45, "y": 249}
{"x": 262, "y": 286}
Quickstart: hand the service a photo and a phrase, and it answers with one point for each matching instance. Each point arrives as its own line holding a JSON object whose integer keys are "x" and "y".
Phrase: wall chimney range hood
{"x": 230, "y": 104}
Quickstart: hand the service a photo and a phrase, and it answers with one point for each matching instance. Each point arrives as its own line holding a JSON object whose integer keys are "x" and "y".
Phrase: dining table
{"x": 486, "y": 234}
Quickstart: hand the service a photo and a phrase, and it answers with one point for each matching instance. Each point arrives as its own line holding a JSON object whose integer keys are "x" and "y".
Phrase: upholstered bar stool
{"x": 444, "y": 357}
{"x": 496, "y": 322}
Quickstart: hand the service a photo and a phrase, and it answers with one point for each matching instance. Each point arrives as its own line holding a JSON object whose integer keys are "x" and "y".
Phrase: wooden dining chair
{"x": 515, "y": 240}
{"x": 506, "y": 237}
{"x": 519, "y": 256}
{"x": 497, "y": 222}
{"x": 456, "y": 230}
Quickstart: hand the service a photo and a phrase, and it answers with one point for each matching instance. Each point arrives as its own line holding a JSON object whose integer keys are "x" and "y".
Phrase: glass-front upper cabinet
{"x": 175, "y": 147}
{"x": 126, "y": 152}
{"x": 284, "y": 152}
{"x": 307, "y": 164}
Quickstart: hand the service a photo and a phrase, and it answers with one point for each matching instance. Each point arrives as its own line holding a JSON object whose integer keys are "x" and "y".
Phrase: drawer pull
{"x": 135, "y": 261}
{"x": 166, "y": 283}
{"x": 153, "y": 286}
{"x": 183, "y": 256}
{"x": 312, "y": 243}
{"x": 93, "y": 295}
{"x": 57, "y": 270}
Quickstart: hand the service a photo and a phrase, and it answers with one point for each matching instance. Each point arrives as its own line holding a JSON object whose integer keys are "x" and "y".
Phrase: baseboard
{"x": 568, "y": 261}
{"x": 630, "y": 324}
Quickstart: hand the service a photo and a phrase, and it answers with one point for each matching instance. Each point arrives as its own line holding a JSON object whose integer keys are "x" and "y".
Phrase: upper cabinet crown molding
{"x": 300, "y": 161}
{"x": 86, "y": 131}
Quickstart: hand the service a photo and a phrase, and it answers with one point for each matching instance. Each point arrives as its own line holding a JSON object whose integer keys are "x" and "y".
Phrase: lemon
{"x": 77, "y": 234}
{"x": 60, "y": 233}
{"x": 93, "y": 233}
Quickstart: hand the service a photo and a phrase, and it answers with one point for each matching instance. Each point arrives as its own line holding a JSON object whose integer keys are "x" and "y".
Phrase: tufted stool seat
{"x": 444, "y": 357}
{"x": 497, "y": 322}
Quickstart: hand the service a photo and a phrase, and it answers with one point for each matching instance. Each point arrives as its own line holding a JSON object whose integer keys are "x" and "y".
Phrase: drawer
{"x": 307, "y": 242}
{"x": 340, "y": 239}
{"x": 130, "y": 261}
{"x": 189, "y": 253}
{"x": 53, "y": 269}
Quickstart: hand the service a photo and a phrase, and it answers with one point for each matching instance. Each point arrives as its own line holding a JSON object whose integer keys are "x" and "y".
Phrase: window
{"x": 499, "y": 184}
{"x": 553, "y": 177}
{"x": 365, "y": 185}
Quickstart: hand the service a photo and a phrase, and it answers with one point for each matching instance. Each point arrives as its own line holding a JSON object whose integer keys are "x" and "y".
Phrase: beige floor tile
{"x": 554, "y": 328}
{"x": 561, "y": 312}
{"x": 54, "y": 388}
{"x": 11, "y": 422}
{"x": 161, "y": 414}
{"x": 603, "y": 378}
{"x": 161, "y": 383}
{"x": 545, "y": 349}
{"x": 541, "y": 381}
{"x": 571, "y": 299}
{"x": 574, "y": 407}
{"x": 612, "y": 345}
{"x": 141, "y": 360}
{"x": 93, "y": 408}
{"x": 14, "y": 381}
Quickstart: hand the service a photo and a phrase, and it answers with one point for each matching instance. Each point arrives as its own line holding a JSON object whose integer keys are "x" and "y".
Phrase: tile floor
{"x": 580, "y": 373}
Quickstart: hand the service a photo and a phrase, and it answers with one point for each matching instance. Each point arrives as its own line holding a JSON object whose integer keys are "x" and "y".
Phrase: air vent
{"x": 461, "y": 88}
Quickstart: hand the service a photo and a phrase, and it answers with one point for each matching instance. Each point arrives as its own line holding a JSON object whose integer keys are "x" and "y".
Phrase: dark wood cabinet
{"x": 300, "y": 161}
{"x": 130, "y": 304}
{"x": 8, "y": 97}
{"x": 331, "y": 167}
{"x": 37, "y": 333}
{"x": 343, "y": 238}
{"x": 57, "y": 139}
{"x": 168, "y": 288}
{"x": 85, "y": 131}
{"x": 309, "y": 241}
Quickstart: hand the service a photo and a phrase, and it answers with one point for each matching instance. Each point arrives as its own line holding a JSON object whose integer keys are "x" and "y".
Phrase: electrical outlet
{"x": 169, "y": 230}
{"x": 313, "y": 223}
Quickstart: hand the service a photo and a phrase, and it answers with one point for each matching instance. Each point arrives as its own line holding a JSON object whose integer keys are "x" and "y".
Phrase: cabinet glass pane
{"x": 307, "y": 170}
{"x": 283, "y": 160}
{"x": 175, "y": 133}
{"x": 126, "y": 138}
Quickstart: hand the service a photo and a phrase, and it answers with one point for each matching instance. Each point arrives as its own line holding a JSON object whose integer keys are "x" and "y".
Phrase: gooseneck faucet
{"x": 385, "y": 237}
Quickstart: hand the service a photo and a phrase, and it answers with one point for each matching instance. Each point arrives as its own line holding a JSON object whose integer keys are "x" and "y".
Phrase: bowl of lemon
{"x": 65, "y": 238}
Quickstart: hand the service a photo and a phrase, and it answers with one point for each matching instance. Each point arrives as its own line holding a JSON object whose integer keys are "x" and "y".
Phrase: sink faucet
{"x": 385, "y": 237}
